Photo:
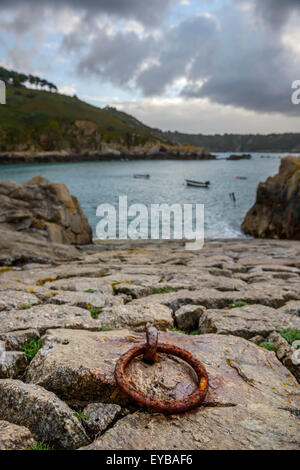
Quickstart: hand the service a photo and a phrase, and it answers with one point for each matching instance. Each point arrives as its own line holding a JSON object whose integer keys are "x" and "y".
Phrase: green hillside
{"x": 288, "y": 142}
{"x": 132, "y": 121}
{"x": 45, "y": 121}
{"x": 40, "y": 120}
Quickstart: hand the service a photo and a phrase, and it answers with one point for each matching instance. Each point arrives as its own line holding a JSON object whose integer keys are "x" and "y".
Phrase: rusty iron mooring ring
{"x": 149, "y": 351}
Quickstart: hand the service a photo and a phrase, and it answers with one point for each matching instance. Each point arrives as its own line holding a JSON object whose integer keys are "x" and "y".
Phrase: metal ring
{"x": 155, "y": 404}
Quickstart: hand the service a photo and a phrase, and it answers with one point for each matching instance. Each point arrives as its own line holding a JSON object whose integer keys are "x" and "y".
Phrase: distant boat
{"x": 198, "y": 184}
{"x": 240, "y": 177}
{"x": 146, "y": 177}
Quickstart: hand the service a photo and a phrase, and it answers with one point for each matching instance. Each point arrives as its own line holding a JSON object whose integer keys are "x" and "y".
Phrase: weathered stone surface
{"x": 15, "y": 340}
{"x": 81, "y": 283}
{"x": 258, "y": 339}
{"x": 43, "y": 317}
{"x": 252, "y": 400}
{"x": 246, "y": 321}
{"x": 85, "y": 300}
{"x": 211, "y": 298}
{"x": 43, "y": 210}
{"x": 191, "y": 281}
{"x": 16, "y": 299}
{"x": 276, "y": 212}
{"x": 136, "y": 317}
{"x": 98, "y": 416}
{"x": 48, "y": 418}
{"x": 291, "y": 308}
{"x": 247, "y": 383}
{"x": 12, "y": 364}
{"x": 133, "y": 290}
{"x": 80, "y": 365}
{"x": 285, "y": 353}
{"x": 18, "y": 247}
{"x": 13, "y": 437}
{"x": 48, "y": 276}
{"x": 250, "y": 427}
{"x": 187, "y": 317}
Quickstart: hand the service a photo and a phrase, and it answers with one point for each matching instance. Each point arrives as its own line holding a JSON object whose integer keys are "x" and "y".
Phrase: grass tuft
{"x": 191, "y": 333}
{"x": 31, "y": 347}
{"x": 239, "y": 303}
{"x": 176, "y": 330}
{"x": 95, "y": 311}
{"x": 290, "y": 335}
{"x": 41, "y": 445}
{"x": 25, "y": 307}
{"x": 164, "y": 291}
{"x": 81, "y": 416}
{"x": 268, "y": 346}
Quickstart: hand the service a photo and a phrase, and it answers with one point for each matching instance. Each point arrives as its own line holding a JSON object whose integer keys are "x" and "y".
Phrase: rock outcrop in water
{"x": 276, "y": 212}
{"x": 245, "y": 156}
{"x": 37, "y": 213}
{"x": 83, "y": 315}
{"x": 112, "y": 151}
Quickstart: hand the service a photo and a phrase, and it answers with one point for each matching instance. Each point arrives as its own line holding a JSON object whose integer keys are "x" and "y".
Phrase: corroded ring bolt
{"x": 150, "y": 354}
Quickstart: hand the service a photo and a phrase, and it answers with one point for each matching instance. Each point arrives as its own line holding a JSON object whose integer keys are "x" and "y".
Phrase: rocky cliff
{"x": 276, "y": 212}
{"x": 43, "y": 211}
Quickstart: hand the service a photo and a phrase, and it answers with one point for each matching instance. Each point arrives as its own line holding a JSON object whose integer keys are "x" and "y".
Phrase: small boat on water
{"x": 146, "y": 177}
{"x": 198, "y": 184}
{"x": 240, "y": 177}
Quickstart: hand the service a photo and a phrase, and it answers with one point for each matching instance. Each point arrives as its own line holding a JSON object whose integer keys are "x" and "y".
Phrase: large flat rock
{"x": 48, "y": 316}
{"x": 18, "y": 247}
{"x": 50, "y": 275}
{"x": 43, "y": 317}
{"x": 13, "y": 437}
{"x": 252, "y": 401}
{"x": 85, "y": 299}
{"x": 274, "y": 296}
{"x": 250, "y": 427}
{"x": 48, "y": 418}
{"x": 247, "y": 321}
{"x": 136, "y": 317}
{"x": 11, "y": 299}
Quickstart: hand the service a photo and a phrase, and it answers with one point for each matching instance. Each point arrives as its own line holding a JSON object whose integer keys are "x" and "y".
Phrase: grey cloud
{"x": 182, "y": 45}
{"x": 276, "y": 12}
{"x": 119, "y": 57}
{"x": 114, "y": 58}
{"x": 239, "y": 61}
{"x": 249, "y": 69}
{"x": 240, "y": 64}
{"x": 148, "y": 12}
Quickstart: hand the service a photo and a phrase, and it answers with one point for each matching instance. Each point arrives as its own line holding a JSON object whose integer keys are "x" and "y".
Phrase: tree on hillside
{"x": 20, "y": 79}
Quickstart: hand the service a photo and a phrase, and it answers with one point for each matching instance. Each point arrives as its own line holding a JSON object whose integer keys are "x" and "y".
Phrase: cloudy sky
{"x": 207, "y": 66}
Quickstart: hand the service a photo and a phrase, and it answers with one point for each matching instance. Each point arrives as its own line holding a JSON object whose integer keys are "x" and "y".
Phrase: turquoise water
{"x": 95, "y": 183}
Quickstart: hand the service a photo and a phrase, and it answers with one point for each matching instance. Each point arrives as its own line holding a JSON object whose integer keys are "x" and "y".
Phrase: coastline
{"x": 8, "y": 158}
